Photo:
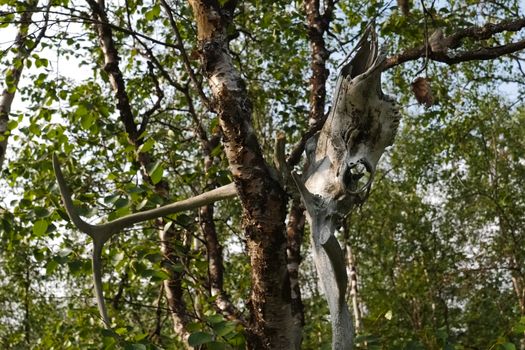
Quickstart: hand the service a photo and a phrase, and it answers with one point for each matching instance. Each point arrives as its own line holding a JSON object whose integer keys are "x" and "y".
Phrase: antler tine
{"x": 102, "y": 232}
{"x": 68, "y": 203}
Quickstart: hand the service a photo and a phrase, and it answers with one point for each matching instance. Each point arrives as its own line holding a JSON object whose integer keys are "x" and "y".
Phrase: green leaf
{"x": 147, "y": 146}
{"x": 225, "y": 328}
{"x": 12, "y": 125}
{"x": 107, "y": 333}
{"x": 109, "y": 343}
{"x": 41, "y": 62}
{"x": 51, "y": 266}
{"x": 111, "y": 198}
{"x": 119, "y": 213}
{"x": 153, "y": 13}
{"x": 508, "y": 346}
{"x": 8, "y": 17}
{"x": 213, "y": 319}
{"x": 11, "y": 88}
{"x": 215, "y": 345}
{"x": 157, "y": 173}
{"x": 81, "y": 111}
{"x": 40, "y": 227}
{"x": 35, "y": 129}
{"x": 519, "y": 328}
{"x": 199, "y": 338}
{"x": 194, "y": 326}
{"x": 140, "y": 336}
{"x": 87, "y": 120}
{"x": 38, "y": 255}
{"x": 42, "y": 212}
{"x": 177, "y": 268}
{"x": 237, "y": 340}
{"x": 121, "y": 330}
{"x": 121, "y": 203}
{"x": 75, "y": 266}
{"x": 160, "y": 275}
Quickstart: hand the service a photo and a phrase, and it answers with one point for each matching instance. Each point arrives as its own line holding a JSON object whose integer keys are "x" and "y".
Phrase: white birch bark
{"x": 15, "y": 72}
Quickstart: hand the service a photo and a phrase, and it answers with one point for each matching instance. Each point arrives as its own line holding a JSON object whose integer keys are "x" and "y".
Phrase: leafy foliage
{"x": 438, "y": 245}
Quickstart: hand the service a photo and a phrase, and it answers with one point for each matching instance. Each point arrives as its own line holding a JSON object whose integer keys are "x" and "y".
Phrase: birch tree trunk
{"x": 352, "y": 288}
{"x": 261, "y": 195}
{"x": 23, "y": 50}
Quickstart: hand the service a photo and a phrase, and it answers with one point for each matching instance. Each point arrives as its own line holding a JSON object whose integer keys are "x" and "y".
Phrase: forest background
{"x": 436, "y": 254}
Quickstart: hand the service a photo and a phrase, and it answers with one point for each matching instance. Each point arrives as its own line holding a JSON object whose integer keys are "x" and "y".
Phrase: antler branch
{"x": 106, "y": 230}
{"x": 101, "y": 233}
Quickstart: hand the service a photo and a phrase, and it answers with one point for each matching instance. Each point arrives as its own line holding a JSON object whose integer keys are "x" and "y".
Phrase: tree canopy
{"x": 149, "y": 103}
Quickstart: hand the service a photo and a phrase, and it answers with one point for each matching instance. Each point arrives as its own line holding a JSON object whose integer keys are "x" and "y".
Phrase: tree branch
{"x": 455, "y": 40}
{"x": 317, "y": 25}
{"x": 82, "y": 18}
{"x": 298, "y": 149}
{"x": 157, "y": 105}
{"x": 185, "y": 58}
{"x": 484, "y": 32}
{"x": 15, "y": 72}
{"x": 111, "y": 66}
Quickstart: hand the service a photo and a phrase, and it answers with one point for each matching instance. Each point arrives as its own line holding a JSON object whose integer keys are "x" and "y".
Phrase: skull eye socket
{"x": 358, "y": 176}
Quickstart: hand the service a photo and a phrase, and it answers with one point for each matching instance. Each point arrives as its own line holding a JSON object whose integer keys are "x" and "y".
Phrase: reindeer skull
{"x": 342, "y": 160}
{"x": 362, "y": 123}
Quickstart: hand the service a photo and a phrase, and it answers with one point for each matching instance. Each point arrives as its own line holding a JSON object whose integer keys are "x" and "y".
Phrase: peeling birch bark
{"x": 352, "y": 288}
{"x": 295, "y": 232}
{"x": 15, "y": 72}
{"x": 342, "y": 160}
{"x": 263, "y": 198}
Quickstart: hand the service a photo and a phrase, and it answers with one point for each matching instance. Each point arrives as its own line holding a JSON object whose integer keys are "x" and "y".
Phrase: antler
{"x": 101, "y": 233}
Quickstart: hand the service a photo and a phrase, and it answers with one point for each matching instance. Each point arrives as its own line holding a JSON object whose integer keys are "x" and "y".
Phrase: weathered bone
{"x": 362, "y": 123}
{"x": 101, "y": 233}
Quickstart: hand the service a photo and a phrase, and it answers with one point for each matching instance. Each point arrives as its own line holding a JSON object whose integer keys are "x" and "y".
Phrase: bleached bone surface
{"x": 342, "y": 160}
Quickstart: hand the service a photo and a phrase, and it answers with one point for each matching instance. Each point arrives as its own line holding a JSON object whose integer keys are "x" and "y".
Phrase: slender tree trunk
{"x": 213, "y": 246}
{"x": 27, "y": 305}
{"x": 519, "y": 290}
{"x": 351, "y": 269}
{"x": 15, "y": 72}
{"x": 173, "y": 285}
{"x": 317, "y": 24}
{"x": 295, "y": 232}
